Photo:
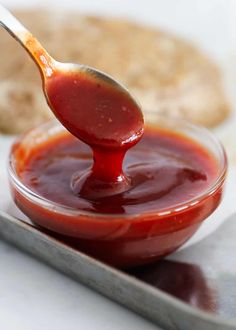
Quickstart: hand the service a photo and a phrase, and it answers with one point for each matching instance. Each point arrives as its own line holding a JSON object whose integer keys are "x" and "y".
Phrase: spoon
{"x": 89, "y": 103}
{"x": 92, "y": 106}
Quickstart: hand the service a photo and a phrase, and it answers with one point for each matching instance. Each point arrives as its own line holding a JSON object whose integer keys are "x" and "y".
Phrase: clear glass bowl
{"x": 120, "y": 240}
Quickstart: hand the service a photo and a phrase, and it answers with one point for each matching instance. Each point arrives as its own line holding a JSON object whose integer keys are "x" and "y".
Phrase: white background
{"x": 32, "y": 295}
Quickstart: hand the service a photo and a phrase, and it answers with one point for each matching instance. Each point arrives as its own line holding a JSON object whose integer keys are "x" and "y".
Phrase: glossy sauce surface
{"x": 96, "y": 112}
{"x": 165, "y": 170}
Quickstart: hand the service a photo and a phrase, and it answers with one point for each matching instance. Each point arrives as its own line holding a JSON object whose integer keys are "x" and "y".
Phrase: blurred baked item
{"x": 21, "y": 106}
{"x": 167, "y": 74}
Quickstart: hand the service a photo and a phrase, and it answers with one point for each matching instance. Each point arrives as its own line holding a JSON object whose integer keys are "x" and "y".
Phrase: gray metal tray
{"x": 194, "y": 289}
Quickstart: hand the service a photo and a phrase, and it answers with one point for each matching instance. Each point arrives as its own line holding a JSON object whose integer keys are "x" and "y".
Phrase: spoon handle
{"x": 12, "y": 25}
{"x": 17, "y": 30}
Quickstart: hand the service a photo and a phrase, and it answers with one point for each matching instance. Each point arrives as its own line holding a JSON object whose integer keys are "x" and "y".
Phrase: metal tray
{"x": 193, "y": 289}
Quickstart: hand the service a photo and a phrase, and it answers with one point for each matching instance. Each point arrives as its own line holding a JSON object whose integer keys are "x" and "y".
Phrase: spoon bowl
{"x": 100, "y": 111}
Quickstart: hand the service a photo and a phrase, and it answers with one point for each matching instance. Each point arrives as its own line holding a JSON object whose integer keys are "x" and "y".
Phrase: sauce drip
{"x": 104, "y": 117}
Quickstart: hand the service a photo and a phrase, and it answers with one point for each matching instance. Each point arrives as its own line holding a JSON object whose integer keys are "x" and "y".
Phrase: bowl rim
{"x": 70, "y": 211}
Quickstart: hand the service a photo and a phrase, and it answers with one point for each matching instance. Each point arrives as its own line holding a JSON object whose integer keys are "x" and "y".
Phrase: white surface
{"x": 32, "y": 295}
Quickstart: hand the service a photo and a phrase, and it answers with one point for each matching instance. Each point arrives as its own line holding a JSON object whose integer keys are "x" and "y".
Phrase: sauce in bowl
{"x": 176, "y": 175}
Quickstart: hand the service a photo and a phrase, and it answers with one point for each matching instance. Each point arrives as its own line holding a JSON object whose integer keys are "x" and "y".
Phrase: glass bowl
{"x": 120, "y": 240}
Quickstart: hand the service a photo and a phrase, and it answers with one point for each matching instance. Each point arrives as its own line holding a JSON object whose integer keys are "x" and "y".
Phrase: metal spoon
{"x": 126, "y": 120}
